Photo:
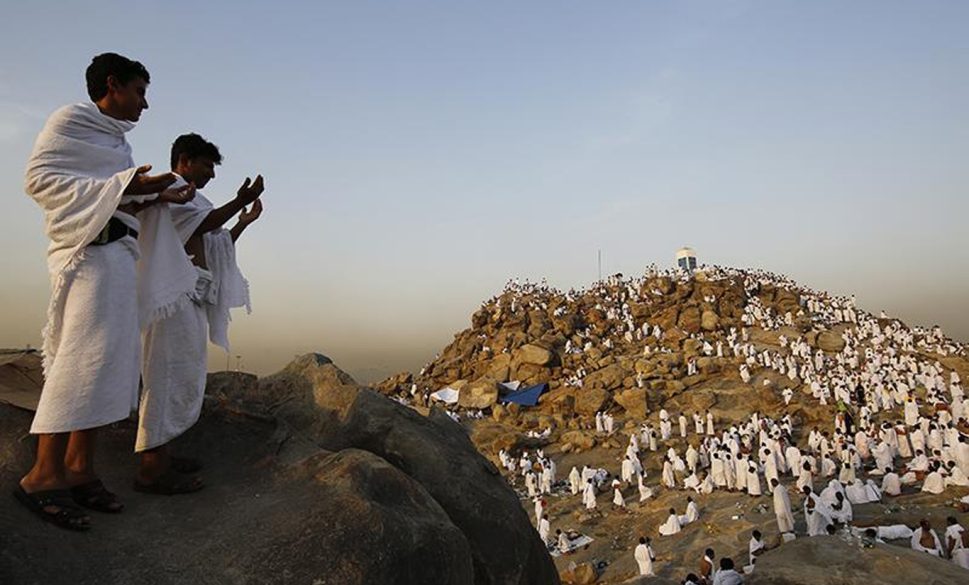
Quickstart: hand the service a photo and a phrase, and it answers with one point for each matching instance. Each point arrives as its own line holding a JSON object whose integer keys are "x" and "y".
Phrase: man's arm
{"x": 218, "y": 217}
{"x": 144, "y": 184}
{"x": 245, "y": 219}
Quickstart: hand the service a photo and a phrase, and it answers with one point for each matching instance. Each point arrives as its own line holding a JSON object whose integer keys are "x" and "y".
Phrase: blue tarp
{"x": 527, "y": 397}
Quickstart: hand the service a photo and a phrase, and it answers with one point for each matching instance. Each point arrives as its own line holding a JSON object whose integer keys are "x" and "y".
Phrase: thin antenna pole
{"x": 600, "y": 263}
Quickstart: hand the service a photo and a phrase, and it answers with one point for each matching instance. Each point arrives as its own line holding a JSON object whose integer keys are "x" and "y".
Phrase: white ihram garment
{"x": 175, "y": 347}
{"x": 77, "y": 173}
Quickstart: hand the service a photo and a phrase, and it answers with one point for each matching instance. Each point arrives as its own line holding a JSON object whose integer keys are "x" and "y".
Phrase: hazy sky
{"x": 418, "y": 154}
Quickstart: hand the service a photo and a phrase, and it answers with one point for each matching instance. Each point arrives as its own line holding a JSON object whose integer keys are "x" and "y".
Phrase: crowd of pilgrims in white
{"x": 884, "y": 438}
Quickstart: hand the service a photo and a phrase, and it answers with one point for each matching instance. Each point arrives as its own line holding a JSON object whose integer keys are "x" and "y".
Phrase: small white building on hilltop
{"x": 686, "y": 259}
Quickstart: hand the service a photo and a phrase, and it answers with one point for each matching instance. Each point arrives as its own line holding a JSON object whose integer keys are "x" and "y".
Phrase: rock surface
{"x": 311, "y": 479}
{"x": 827, "y": 560}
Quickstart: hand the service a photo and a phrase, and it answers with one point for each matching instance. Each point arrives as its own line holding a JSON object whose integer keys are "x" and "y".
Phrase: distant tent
{"x": 514, "y": 386}
{"x": 446, "y": 395}
{"x": 527, "y": 397}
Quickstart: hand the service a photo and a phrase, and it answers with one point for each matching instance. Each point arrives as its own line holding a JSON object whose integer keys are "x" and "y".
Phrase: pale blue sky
{"x": 418, "y": 154}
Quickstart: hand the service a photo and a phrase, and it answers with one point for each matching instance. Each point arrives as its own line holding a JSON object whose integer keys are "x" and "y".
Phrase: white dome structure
{"x": 686, "y": 259}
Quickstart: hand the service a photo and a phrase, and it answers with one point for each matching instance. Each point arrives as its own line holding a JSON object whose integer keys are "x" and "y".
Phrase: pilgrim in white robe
{"x": 857, "y": 493}
{"x": 891, "y": 484}
{"x": 78, "y": 171}
{"x": 669, "y": 479}
{"x": 671, "y": 526}
{"x": 645, "y": 492}
{"x": 753, "y": 481}
{"x": 617, "y": 499}
{"x": 960, "y": 554}
{"x": 935, "y": 549}
{"x": 644, "y": 558}
{"x": 933, "y": 483}
{"x": 692, "y": 513}
{"x": 692, "y": 458}
{"x": 543, "y": 529}
{"x": 626, "y": 471}
{"x": 589, "y": 496}
{"x": 575, "y": 480}
{"x": 753, "y": 548}
{"x": 956, "y": 477}
{"x": 816, "y": 516}
{"x": 530, "y": 485}
{"x": 174, "y": 360}
{"x": 692, "y": 482}
{"x": 782, "y": 510}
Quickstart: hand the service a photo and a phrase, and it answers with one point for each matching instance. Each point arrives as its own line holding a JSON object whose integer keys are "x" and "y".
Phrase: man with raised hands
{"x": 82, "y": 175}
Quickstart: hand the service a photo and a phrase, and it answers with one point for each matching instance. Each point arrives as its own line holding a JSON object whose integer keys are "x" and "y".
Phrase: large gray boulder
{"x": 434, "y": 451}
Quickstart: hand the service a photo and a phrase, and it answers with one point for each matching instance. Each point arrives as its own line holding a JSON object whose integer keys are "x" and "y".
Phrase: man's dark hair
{"x": 726, "y": 563}
{"x": 111, "y": 64}
{"x": 194, "y": 146}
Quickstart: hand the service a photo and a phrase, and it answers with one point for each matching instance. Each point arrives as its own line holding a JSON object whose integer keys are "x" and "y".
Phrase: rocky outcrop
{"x": 828, "y": 560}
{"x": 438, "y": 454}
{"x": 481, "y": 393}
{"x": 368, "y": 523}
{"x": 312, "y": 479}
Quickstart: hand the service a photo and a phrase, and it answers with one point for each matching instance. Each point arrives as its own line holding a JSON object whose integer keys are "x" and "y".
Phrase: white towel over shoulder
{"x": 78, "y": 171}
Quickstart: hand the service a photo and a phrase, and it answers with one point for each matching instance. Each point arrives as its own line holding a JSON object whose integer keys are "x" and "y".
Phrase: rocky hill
{"x": 627, "y": 342}
{"x": 727, "y": 340}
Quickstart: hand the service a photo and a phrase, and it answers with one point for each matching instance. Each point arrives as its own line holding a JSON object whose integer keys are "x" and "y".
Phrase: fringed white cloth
{"x": 166, "y": 276}
{"x": 229, "y": 288}
{"x": 232, "y": 288}
{"x": 78, "y": 171}
{"x": 173, "y": 371}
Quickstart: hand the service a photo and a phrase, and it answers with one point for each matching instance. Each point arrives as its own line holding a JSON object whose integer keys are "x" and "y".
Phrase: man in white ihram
{"x": 82, "y": 175}
{"x": 174, "y": 357}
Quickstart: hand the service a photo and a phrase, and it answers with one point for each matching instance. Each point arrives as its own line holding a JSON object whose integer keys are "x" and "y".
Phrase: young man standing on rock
{"x": 82, "y": 175}
{"x": 174, "y": 359}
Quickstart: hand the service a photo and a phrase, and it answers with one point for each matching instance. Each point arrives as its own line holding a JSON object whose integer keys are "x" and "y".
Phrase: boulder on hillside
{"x": 667, "y": 318}
{"x": 689, "y": 320}
{"x": 505, "y": 548}
{"x": 608, "y": 378}
{"x": 368, "y": 523}
{"x": 316, "y": 409}
{"x": 830, "y": 341}
{"x": 633, "y": 400}
{"x": 583, "y": 574}
{"x": 482, "y": 393}
{"x": 498, "y": 368}
{"x": 709, "y": 321}
{"x": 559, "y": 401}
{"x": 692, "y": 348}
{"x": 583, "y": 440}
{"x": 589, "y": 401}
{"x": 534, "y": 355}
